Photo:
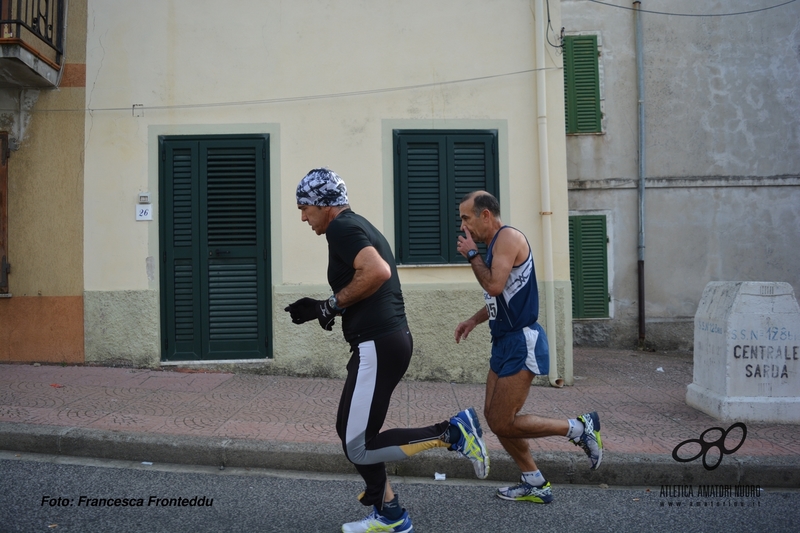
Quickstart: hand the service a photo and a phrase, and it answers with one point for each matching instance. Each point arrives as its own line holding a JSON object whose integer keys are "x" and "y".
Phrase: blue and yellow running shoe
{"x": 525, "y": 492}
{"x": 590, "y": 440}
{"x": 376, "y": 523}
{"x": 470, "y": 444}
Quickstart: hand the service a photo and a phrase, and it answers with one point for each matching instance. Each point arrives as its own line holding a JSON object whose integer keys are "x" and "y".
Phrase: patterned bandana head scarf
{"x": 323, "y": 188}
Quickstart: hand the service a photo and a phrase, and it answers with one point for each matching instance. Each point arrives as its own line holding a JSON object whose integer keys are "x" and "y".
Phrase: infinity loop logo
{"x": 706, "y": 446}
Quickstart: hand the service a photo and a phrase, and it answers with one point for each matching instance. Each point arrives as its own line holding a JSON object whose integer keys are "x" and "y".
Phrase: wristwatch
{"x": 333, "y": 303}
{"x": 472, "y": 254}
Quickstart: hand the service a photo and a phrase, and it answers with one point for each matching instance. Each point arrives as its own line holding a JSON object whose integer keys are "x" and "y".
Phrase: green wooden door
{"x": 215, "y": 281}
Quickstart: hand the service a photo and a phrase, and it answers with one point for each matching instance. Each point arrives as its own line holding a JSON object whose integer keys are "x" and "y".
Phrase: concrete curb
{"x": 560, "y": 467}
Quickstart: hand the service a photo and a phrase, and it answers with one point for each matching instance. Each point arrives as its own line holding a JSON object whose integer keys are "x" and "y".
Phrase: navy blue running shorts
{"x": 527, "y": 348}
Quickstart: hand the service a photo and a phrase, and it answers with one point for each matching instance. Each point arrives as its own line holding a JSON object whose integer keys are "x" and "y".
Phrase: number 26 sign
{"x": 144, "y": 212}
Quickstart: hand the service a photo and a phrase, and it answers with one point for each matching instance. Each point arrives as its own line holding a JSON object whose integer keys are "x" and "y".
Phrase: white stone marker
{"x": 747, "y": 353}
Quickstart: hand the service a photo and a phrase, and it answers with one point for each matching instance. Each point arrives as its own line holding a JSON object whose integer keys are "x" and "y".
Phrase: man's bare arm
{"x": 371, "y": 272}
{"x": 464, "y": 328}
{"x": 505, "y": 254}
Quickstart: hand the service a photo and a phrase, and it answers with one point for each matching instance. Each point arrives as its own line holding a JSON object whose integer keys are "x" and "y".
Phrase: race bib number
{"x": 491, "y": 305}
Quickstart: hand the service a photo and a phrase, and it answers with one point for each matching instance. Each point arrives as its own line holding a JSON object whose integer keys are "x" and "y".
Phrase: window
{"x": 433, "y": 170}
{"x": 588, "y": 266}
{"x": 582, "y": 84}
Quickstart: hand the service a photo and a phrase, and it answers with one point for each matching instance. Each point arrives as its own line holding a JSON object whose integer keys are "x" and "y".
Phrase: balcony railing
{"x": 36, "y": 25}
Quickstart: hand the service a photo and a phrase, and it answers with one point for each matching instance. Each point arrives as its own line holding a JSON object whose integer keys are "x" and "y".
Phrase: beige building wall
{"x": 43, "y": 318}
{"x": 329, "y": 83}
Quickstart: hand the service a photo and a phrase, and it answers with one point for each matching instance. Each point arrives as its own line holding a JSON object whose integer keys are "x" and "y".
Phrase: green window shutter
{"x": 589, "y": 266}
{"x": 472, "y": 168}
{"x": 421, "y": 192}
{"x": 572, "y": 272}
{"x": 433, "y": 171}
{"x": 582, "y": 84}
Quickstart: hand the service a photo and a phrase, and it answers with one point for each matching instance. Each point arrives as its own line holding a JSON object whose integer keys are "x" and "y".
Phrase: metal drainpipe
{"x": 544, "y": 179}
{"x": 642, "y": 159}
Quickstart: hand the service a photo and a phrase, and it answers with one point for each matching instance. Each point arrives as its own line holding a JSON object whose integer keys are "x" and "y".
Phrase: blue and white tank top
{"x": 518, "y": 305}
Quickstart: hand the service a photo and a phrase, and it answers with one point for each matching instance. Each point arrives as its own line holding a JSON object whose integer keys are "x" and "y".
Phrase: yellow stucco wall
{"x": 46, "y": 198}
{"x": 203, "y": 68}
{"x": 43, "y": 320}
{"x": 328, "y": 82}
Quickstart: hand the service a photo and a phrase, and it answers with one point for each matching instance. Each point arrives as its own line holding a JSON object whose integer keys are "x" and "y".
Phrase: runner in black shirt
{"x": 367, "y": 295}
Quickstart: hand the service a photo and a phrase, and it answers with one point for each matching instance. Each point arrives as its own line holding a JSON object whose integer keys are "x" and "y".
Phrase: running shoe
{"x": 590, "y": 440}
{"x": 375, "y": 523}
{"x": 470, "y": 444}
{"x": 525, "y": 492}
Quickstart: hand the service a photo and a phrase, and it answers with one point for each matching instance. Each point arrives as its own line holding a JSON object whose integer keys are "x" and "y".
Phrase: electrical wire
{"x": 550, "y": 25}
{"x": 410, "y": 87}
{"x": 695, "y": 14}
{"x": 314, "y": 97}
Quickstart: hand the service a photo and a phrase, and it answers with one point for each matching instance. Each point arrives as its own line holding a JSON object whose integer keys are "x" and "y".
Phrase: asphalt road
{"x": 63, "y": 494}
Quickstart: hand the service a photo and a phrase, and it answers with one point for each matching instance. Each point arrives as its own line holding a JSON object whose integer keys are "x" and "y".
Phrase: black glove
{"x": 306, "y": 309}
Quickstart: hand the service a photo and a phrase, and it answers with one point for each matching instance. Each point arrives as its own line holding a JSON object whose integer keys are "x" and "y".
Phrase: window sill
{"x": 435, "y": 265}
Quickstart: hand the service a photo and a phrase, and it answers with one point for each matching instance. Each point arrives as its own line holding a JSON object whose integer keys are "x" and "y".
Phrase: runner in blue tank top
{"x": 519, "y": 345}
